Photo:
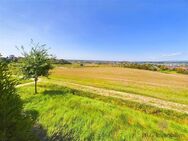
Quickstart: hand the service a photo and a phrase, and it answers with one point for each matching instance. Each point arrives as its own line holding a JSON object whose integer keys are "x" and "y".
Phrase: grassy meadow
{"x": 63, "y": 113}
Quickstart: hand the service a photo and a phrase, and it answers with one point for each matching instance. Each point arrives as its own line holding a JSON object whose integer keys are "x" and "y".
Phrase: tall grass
{"x": 74, "y": 115}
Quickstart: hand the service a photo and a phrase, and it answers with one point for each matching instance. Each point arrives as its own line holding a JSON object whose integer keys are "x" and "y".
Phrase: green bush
{"x": 15, "y": 125}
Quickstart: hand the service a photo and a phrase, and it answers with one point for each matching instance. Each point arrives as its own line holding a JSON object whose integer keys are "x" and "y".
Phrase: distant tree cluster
{"x": 141, "y": 66}
{"x": 11, "y": 59}
{"x": 14, "y": 59}
{"x": 181, "y": 70}
{"x": 60, "y": 61}
{"x": 155, "y": 67}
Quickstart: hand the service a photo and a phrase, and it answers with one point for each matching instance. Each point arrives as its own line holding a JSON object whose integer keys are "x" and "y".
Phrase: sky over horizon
{"x": 132, "y": 30}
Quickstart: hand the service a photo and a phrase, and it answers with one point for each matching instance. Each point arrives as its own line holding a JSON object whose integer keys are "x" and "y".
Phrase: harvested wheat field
{"x": 170, "y": 87}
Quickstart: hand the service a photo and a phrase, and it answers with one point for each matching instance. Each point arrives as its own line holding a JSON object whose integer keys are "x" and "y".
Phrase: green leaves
{"x": 37, "y": 62}
{"x": 14, "y": 125}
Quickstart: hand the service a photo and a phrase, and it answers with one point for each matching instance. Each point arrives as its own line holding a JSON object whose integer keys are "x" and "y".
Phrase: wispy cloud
{"x": 172, "y": 54}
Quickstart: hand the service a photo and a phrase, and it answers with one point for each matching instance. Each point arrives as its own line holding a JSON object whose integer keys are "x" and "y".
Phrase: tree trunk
{"x": 36, "y": 79}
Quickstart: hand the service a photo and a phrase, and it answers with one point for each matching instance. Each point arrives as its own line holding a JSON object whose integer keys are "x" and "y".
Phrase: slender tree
{"x": 36, "y": 63}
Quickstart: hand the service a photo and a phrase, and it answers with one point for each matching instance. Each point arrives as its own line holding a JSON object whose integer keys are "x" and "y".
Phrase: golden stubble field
{"x": 172, "y": 87}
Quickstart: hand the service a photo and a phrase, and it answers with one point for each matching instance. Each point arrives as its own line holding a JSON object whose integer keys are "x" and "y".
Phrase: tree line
{"x": 156, "y": 67}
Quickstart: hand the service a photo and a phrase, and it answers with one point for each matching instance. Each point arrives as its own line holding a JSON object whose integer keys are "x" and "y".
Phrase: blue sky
{"x": 134, "y": 30}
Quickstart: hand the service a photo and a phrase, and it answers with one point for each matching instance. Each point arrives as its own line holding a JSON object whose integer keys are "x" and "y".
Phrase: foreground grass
{"x": 74, "y": 115}
{"x": 171, "y": 87}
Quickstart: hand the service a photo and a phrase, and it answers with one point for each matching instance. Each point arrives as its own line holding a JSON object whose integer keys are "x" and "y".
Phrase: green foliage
{"x": 141, "y": 66}
{"x": 3, "y": 59}
{"x": 75, "y": 115}
{"x": 14, "y": 124}
{"x": 60, "y": 61}
{"x": 181, "y": 70}
{"x": 37, "y": 62}
{"x": 153, "y": 67}
{"x": 164, "y": 113}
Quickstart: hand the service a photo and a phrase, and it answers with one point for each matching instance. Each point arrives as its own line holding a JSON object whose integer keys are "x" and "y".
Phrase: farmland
{"x": 64, "y": 110}
{"x": 93, "y": 70}
{"x": 171, "y": 87}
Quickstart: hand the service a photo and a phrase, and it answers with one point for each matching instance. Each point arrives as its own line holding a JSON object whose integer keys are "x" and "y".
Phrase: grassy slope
{"x": 72, "y": 114}
{"x": 172, "y": 87}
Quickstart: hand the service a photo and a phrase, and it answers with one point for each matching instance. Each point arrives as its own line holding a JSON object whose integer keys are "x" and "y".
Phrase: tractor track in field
{"x": 128, "y": 96}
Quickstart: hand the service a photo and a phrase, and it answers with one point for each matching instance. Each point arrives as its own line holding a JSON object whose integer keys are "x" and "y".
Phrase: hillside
{"x": 64, "y": 112}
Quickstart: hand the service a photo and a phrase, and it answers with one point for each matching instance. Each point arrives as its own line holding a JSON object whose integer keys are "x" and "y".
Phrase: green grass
{"x": 169, "y": 71}
{"x": 15, "y": 70}
{"x": 22, "y": 81}
{"x": 178, "y": 95}
{"x": 75, "y": 115}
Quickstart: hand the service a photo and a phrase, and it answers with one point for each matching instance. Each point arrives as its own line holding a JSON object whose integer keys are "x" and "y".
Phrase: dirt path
{"x": 127, "y": 96}
{"x": 123, "y": 95}
{"x": 26, "y": 84}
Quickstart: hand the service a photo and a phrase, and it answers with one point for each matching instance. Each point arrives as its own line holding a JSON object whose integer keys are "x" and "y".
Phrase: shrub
{"x": 14, "y": 124}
